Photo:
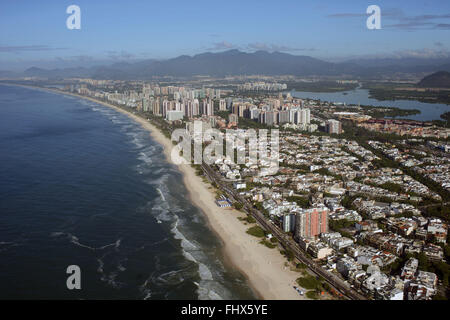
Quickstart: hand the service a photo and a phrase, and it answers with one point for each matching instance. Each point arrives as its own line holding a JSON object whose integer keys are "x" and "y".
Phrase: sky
{"x": 34, "y": 33}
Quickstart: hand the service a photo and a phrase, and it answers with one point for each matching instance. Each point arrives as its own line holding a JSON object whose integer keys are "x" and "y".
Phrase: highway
{"x": 287, "y": 242}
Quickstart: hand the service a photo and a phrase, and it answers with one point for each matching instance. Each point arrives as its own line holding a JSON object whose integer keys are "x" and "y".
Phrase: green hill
{"x": 440, "y": 79}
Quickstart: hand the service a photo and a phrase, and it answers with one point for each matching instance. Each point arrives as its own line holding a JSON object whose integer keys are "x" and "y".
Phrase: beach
{"x": 266, "y": 269}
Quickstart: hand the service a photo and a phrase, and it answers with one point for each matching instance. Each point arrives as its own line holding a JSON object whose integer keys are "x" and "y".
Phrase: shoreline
{"x": 264, "y": 268}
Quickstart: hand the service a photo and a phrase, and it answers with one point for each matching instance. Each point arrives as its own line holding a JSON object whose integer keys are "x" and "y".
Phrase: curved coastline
{"x": 264, "y": 268}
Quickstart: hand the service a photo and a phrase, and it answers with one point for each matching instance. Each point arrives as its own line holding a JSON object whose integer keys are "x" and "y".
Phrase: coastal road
{"x": 287, "y": 242}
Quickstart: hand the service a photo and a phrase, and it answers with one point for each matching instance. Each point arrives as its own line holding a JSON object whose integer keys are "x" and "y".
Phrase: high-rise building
{"x": 196, "y": 108}
{"x": 283, "y": 116}
{"x": 270, "y": 118}
{"x": 254, "y": 113}
{"x": 210, "y": 108}
{"x": 310, "y": 223}
{"x": 229, "y": 103}
{"x": 303, "y": 116}
{"x": 333, "y": 126}
{"x": 156, "y": 107}
{"x": 188, "y": 108}
{"x": 173, "y": 115}
{"x": 222, "y": 105}
{"x": 233, "y": 118}
{"x": 145, "y": 105}
{"x": 289, "y": 222}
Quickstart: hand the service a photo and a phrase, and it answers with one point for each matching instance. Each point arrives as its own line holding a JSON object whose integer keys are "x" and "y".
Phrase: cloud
{"x": 346, "y": 15}
{"x": 410, "y": 26}
{"x": 388, "y": 12}
{"x": 79, "y": 58}
{"x": 275, "y": 47}
{"x": 19, "y": 49}
{"x": 428, "y": 17}
{"x": 223, "y": 45}
{"x": 422, "y": 53}
{"x": 120, "y": 55}
{"x": 270, "y": 47}
{"x": 442, "y": 26}
{"x": 399, "y": 54}
{"x": 401, "y": 21}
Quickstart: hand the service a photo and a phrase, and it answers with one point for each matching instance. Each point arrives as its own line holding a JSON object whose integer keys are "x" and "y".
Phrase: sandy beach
{"x": 265, "y": 268}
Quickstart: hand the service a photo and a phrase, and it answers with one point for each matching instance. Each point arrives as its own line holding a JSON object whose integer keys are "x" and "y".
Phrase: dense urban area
{"x": 359, "y": 204}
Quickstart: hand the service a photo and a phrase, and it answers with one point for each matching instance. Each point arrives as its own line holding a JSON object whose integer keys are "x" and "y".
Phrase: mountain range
{"x": 235, "y": 62}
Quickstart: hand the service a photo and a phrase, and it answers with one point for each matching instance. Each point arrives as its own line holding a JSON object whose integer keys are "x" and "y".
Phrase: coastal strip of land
{"x": 266, "y": 269}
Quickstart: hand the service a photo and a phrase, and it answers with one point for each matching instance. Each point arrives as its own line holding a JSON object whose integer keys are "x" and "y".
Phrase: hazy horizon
{"x": 35, "y": 33}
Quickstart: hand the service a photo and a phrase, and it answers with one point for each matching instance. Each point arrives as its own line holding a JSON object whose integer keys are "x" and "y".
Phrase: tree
{"x": 237, "y": 205}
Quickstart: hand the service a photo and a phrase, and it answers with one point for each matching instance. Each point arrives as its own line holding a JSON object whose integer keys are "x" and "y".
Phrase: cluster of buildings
{"x": 262, "y": 86}
{"x": 419, "y": 285}
{"x": 321, "y": 172}
{"x": 309, "y": 195}
{"x": 410, "y": 154}
{"x": 405, "y": 127}
{"x": 378, "y": 210}
{"x": 275, "y": 112}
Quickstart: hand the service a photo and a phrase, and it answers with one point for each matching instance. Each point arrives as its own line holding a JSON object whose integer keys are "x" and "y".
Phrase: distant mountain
{"x": 7, "y": 74}
{"x": 58, "y": 73}
{"x": 440, "y": 79}
{"x": 386, "y": 66}
{"x": 232, "y": 62}
{"x": 235, "y": 62}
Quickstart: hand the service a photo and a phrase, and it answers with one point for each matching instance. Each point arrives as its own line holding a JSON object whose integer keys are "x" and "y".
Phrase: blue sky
{"x": 35, "y": 33}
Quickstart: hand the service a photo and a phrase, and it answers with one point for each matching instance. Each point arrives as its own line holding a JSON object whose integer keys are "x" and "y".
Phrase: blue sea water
{"x": 428, "y": 111}
{"x": 81, "y": 184}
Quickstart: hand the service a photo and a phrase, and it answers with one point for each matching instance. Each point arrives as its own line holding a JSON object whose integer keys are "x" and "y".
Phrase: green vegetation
{"x": 302, "y": 167}
{"x": 401, "y": 91}
{"x": 301, "y": 201}
{"x": 248, "y": 219}
{"x": 440, "y": 79}
{"x": 443, "y": 123}
{"x": 309, "y": 282}
{"x": 237, "y": 205}
{"x": 391, "y": 112}
{"x": 260, "y": 208}
{"x": 347, "y": 202}
{"x": 223, "y": 114}
{"x": 326, "y": 172}
{"x": 446, "y": 116}
{"x": 268, "y": 244}
{"x": 251, "y": 124}
{"x": 256, "y": 231}
{"x": 301, "y": 265}
{"x": 288, "y": 254}
{"x": 340, "y": 225}
{"x": 198, "y": 169}
{"x": 312, "y": 295}
{"x": 390, "y": 186}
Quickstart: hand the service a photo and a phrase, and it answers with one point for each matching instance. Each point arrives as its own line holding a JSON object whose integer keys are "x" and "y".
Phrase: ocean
{"x": 82, "y": 184}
